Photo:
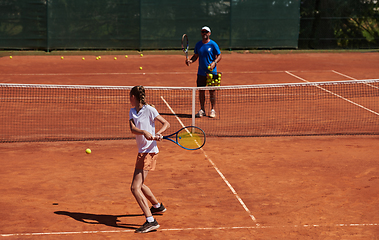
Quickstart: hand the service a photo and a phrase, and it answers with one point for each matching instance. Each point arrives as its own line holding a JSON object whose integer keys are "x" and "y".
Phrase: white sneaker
{"x": 201, "y": 113}
{"x": 213, "y": 113}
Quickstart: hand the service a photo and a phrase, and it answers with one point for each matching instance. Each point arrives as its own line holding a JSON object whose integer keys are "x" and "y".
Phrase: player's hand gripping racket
{"x": 185, "y": 46}
{"x": 190, "y": 138}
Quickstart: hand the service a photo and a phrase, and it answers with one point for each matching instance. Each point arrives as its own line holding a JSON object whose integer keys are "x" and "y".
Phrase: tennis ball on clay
{"x": 83, "y": 58}
{"x": 126, "y": 56}
{"x": 97, "y": 58}
{"x": 115, "y": 58}
{"x": 10, "y": 57}
{"x": 140, "y": 68}
{"x": 88, "y": 151}
{"x": 141, "y": 55}
{"x": 62, "y": 57}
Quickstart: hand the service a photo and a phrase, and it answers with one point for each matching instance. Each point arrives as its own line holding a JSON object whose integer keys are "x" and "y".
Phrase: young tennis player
{"x": 142, "y": 119}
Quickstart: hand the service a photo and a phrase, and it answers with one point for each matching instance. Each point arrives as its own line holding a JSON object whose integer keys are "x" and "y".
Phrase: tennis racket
{"x": 185, "y": 45}
{"x": 189, "y": 138}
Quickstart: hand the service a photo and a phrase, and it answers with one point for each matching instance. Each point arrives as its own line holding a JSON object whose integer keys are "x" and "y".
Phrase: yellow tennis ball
{"x": 83, "y": 58}
{"x": 10, "y": 57}
{"x": 62, "y": 57}
{"x": 141, "y": 55}
{"x": 209, "y": 67}
{"x": 88, "y": 151}
{"x": 115, "y": 58}
{"x": 140, "y": 68}
{"x": 126, "y": 56}
{"x": 97, "y": 58}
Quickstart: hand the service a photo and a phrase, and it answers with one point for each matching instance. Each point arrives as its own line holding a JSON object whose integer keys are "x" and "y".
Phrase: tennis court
{"x": 283, "y": 187}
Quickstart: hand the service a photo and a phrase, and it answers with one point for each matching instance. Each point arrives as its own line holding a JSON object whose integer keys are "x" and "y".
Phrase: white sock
{"x": 150, "y": 219}
{"x": 157, "y": 205}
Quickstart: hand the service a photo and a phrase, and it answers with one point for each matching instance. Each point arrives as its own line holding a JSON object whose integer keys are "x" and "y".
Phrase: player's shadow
{"x": 180, "y": 115}
{"x": 108, "y": 220}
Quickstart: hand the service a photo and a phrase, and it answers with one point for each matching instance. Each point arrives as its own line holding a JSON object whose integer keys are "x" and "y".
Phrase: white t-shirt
{"x": 145, "y": 120}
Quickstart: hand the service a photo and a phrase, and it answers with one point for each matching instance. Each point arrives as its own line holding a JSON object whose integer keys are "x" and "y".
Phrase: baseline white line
{"x": 192, "y": 229}
{"x": 217, "y": 169}
{"x": 139, "y": 73}
{"x": 354, "y": 103}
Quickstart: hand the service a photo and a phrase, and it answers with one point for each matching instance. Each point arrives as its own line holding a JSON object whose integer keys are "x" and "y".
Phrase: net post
{"x": 193, "y": 106}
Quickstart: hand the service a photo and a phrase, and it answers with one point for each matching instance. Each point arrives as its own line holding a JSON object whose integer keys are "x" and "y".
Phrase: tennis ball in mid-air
{"x": 88, "y": 151}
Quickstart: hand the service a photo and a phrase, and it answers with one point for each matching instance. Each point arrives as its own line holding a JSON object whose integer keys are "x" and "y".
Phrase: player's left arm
{"x": 217, "y": 60}
{"x": 165, "y": 126}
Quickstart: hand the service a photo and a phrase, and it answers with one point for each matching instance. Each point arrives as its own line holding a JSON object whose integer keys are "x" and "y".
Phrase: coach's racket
{"x": 185, "y": 45}
{"x": 190, "y": 138}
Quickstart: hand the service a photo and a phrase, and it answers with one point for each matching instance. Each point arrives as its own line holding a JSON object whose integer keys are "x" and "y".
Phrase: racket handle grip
{"x": 158, "y": 137}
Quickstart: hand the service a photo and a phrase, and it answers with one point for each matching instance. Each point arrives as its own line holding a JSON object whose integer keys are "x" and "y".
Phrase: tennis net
{"x": 69, "y": 113}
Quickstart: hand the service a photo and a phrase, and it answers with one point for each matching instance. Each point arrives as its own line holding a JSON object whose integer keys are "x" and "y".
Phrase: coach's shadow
{"x": 108, "y": 220}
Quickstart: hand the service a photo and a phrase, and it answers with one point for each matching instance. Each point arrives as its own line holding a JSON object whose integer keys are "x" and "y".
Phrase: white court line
{"x": 141, "y": 72}
{"x": 354, "y": 103}
{"x": 194, "y": 229}
{"x": 217, "y": 170}
{"x": 344, "y": 75}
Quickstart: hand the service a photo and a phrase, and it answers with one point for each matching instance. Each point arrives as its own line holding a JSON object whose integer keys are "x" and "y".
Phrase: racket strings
{"x": 191, "y": 138}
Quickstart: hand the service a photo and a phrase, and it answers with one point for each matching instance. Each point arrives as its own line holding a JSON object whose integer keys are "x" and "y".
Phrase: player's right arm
{"x": 138, "y": 131}
{"x": 192, "y": 59}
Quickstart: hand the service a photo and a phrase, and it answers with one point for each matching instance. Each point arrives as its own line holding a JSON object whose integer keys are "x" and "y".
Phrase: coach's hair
{"x": 139, "y": 93}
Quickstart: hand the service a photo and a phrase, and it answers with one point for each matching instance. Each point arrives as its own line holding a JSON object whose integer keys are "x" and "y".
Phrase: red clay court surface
{"x": 255, "y": 188}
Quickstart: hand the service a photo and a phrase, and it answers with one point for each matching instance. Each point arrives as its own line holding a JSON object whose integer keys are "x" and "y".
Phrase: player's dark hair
{"x": 139, "y": 93}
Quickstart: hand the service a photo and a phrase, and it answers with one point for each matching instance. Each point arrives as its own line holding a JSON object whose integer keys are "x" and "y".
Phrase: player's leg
{"x": 139, "y": 194}
{"x": 201, "y": 82}
{"x": 212, "y": 94}
{"x": 202, "y": 99}
{"x": 136, "y": 188}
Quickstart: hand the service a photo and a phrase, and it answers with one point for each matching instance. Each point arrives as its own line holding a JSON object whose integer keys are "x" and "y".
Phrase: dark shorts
{"x": 201, "y": 81}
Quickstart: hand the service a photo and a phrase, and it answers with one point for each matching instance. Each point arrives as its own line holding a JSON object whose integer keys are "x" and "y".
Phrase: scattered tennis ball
{"x": 62, "y": 57}
{"x": 97, "y": 58}
{"x": 141, "y": 55}
{"x": 10, "y": 57}
{"x": 115, "y": 58}
{"x": 140, "y": 68}
{"x": 88, "y": 151}
{"x": 83, "y": 58}
{"x": 126, "y": 56}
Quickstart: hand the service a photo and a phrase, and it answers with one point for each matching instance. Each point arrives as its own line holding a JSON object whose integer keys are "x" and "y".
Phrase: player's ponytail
{"x": 139, "y": 93}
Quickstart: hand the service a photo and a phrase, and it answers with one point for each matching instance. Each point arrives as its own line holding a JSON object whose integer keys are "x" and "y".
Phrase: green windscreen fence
{"x": 147, "y": 24}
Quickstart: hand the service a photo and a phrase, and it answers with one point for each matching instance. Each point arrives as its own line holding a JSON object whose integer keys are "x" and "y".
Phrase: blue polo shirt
{"x": 207, "y": 54}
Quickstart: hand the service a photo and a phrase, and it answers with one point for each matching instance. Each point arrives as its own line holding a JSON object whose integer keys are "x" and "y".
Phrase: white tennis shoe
{"x": 201, "y": 113}
{"x": 212, "y": 114}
